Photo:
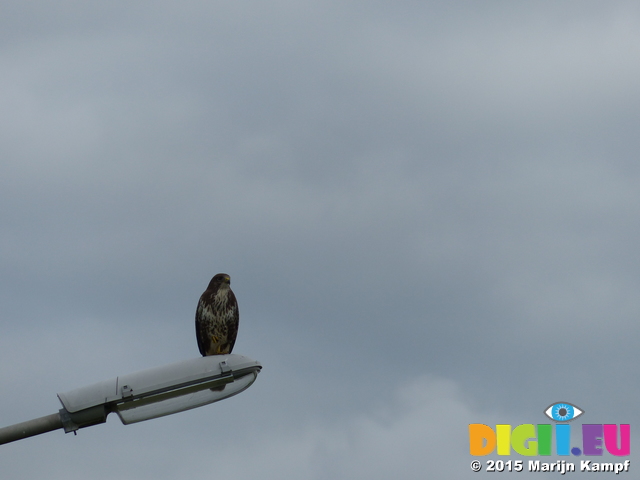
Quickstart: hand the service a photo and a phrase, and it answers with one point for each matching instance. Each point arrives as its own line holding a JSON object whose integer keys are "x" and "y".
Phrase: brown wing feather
{"x": 204, "y": 342}
{"x": 233, "y": 320}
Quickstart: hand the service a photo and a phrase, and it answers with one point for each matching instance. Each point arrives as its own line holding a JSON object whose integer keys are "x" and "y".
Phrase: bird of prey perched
{"x": 217, "y": 317}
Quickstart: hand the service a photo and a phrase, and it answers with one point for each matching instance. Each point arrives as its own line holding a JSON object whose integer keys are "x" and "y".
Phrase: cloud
{"x": 419, "y": 430}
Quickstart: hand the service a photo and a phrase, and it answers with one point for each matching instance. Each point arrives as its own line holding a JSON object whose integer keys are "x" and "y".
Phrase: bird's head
{"x": 219, "y": 280}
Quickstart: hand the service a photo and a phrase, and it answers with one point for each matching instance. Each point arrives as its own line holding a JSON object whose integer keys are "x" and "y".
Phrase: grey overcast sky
{"x": 429, "y": 212}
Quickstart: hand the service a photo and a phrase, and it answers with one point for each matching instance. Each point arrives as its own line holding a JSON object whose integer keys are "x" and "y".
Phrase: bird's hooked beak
{"x": 227, "y": 280}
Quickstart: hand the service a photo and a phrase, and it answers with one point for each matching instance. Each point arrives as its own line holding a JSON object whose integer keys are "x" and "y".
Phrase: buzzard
{"x": 217, "y": 317}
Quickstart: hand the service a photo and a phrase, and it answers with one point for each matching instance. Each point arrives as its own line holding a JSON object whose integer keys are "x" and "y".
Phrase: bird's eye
{"x": 563, "y": 412}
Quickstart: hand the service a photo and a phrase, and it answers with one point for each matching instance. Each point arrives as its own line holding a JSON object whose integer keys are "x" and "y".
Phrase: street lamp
{"x": 145, "y": 395}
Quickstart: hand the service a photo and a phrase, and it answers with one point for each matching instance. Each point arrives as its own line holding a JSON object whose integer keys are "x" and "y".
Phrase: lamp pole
{"x": 30, "y": 428}
{"x": 145, "y": 395}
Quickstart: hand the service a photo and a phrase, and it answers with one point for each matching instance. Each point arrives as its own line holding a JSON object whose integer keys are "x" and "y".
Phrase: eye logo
{"x": 563, "y": 412}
